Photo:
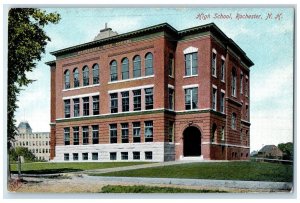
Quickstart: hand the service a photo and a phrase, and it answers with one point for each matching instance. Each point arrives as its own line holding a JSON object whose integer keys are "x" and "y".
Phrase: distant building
{"x": 270, "y": 151}
{"x": 37, "y": 142}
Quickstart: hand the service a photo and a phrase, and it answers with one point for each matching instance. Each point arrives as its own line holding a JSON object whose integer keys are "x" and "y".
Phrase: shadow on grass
{"x": 48, "y": 171}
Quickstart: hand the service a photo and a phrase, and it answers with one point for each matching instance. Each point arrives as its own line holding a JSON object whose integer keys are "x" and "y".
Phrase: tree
{"x": 287, "y": 149}
{"x": 21, "y": 151}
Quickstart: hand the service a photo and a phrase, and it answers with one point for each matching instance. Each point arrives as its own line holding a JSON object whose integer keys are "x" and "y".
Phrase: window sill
{"x": 131, "y": 79}
{"x": 190, "y": 76}
{"x": 223, "y": 81}
{"x": 82, "y": 87}
{"x": 215, "y": 76}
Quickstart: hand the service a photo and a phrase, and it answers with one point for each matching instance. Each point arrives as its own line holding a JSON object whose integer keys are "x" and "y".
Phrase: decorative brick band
{"x": 82, "y": 61}
{"x": 133, "y": 50}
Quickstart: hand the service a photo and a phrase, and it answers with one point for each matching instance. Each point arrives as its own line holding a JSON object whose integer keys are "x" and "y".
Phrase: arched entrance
{"x": 191, "y": 141}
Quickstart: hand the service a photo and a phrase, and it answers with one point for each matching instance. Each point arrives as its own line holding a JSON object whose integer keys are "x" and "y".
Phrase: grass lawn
{"x": 220, "y": 171}
{"x": 151, "y": 189}
{"x": 50, "y": 168}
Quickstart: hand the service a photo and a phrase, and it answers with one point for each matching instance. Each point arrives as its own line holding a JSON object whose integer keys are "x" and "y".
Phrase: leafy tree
{"x": 287, "y": 149}
{"x": 26, "y": 43}
{"x": 21, "y": 151}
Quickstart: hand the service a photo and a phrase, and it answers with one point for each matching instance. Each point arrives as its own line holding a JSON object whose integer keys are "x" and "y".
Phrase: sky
{"x": 267, "y": 42}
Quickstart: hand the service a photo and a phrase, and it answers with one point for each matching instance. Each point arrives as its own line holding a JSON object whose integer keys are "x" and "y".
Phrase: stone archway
{"x": 191, "y": 141}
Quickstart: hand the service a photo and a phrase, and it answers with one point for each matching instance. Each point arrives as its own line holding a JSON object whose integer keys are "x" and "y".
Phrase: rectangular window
{"x": 67, "y": 108}
{"x": 148, "y": 131}
{"x": 191, "y": 98}
{"x": 86, "y": 106}
{"x": 149, "y": 98}
{"x": 136, "y": 155}
{"x": 233, "y": 83}
{"x": 247, "y": 112}
{"x": 94, "y": 156}
{"x": 76, "y": 135}
{"x": 113, "y": 133}
{"x": 95, "y": 132}
{"x": 96, "y": 105}
{"x": 125, "y": 132}
{"x": 85, "y": 156}
{"x": 242, "y": 80}
{"x": 222, "y": 102}
{"x": 233, "y": 121}
{"x": 113, "y": 155}
{"x": 171, "y": 131}
{"x": 114, "y": 103}
{"x": 171, "y": 65}
{"x": 136, "y": 100}
{"x": 191, "y": 64}
{"x": 246, "y": 87}
{"x": 171, "y": 98}
{"x": 76, "y": 107}
{"x": 125, "y": 101}
{"x": 222, "y": 70}
{"x": 136, "y": 132}
{"x": 223, "y": 133}
{"x": 85, "y": 135}
{"x": 214, "y": 99}
{"x": 148, "y": 155}
{"x": 124, "y": 155}
{"x": 67, "y": 136}
{"x": 66, "y": 157}
{"x": 214, "y": 64}
{"x": 75, "y": 156}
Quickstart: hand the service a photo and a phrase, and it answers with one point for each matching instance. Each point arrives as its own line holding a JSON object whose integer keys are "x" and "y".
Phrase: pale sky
{"x": 268, "y": 43}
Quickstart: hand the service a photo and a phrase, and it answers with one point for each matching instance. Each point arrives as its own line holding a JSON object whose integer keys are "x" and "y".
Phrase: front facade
{"x": 155, "y": 94}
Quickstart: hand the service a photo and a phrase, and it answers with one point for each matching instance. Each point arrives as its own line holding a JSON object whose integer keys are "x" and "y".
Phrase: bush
{"x": 21, "y": 151}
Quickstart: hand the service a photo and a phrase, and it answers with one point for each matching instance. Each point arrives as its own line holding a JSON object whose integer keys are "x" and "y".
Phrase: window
{"x": 191, "y": 98}
{"x": 95, "y": 131}
{"x": 85, "y": 73}
{"x": 241, "y": 135}
{"x": 67, "y": 136}
{"x": 76, "y": 107}
{"x": 136, "y": 155}
{"x": 233, "y": 121}
{"x": 113, "y": 133}
{"x": 214, "y": 99}
{"x": 222, "y": 101}
{"x": 125, "y": 101}
{"x": 223, "y": 70}
{"x": 85, "y": 156}
{"x": 125, "y": 69}
{"x": 113, "y": 71}
{"x": 171, "y": 131}
{"x": 96, "y": 105}
{"x": 85, "y": 135}
{"x": 246, "y": 87}
{"x": 247, "y": 112}
{"x": 214, "y": 64}
{"x": 137, "y": 66}
{"x": 149, "y": 98}
{"x": 223, "y": 133}
{"x": 242, "y": 80}
{"x": 94, "y": 156}
{"x": 124, "y": 155}
{"x": 148, "y": 155}
{"x": 75, "y": 156}
{"x": 76, "y": 77}
{"x": 67, "y": 79}
{"x": 171, "y": 65}
{"x": 113, "y": 155}
{"x": 66, "y": 157}
{"x": 233, "y": 83}
{"x": 191, "y": 64}
{"x": 149, "y": 64}
{"x": 114, "y": 103}
{"x": 136, "y": 100}
{"x": 148, "y": 131}
{"x": 213, "y": 132}
{"x": 76, "y": 135}
{"x": 86, "y": 106}
{"x": 95, "y": 74}
{"x": 125, "y": 132}
{"x": 67, "y": 108}
{"x": 171, "y": 98}
{"x": 136, "y": 132}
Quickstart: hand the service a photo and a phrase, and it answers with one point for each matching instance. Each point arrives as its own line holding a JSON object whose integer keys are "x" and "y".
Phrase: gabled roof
{"x": 268, "y": 148}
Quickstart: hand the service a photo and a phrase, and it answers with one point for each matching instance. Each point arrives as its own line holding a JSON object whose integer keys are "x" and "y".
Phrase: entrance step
{"x": 191, "y": 158}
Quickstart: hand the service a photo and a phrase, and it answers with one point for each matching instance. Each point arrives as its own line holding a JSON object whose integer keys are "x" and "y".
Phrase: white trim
{"x": 227, "y": 145}
{"x": 171, "y": 86}
{"x": 131, "y": 79}
{"x": 82, "y": 87}
{"x": 193, "y": 110}
{"x": 189, "y": 76}
{"x": 223, "y": 58}
{"x": 130, "y": 88}
{"x": 190, "y": 86}
{"x": 82, "y": 95}
{"x": 214, "y": 50}
{"x": 246, "y": 76}
{"x": 190, "y": 50}
{"x": 214, "y": 86}
{"x": 223, "y": 91}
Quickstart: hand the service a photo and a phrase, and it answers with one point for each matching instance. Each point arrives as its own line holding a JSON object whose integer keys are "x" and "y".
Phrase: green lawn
{"x": 50, "y": 168}
{"x": 220, "y": 171}
{"x": 151, "y": 189}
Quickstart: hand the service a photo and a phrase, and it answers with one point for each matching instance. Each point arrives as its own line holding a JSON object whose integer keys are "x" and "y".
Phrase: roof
{"x": 24, "y": 127}
{"x": 211, "y": 27}
{"x": 268, "y": 148}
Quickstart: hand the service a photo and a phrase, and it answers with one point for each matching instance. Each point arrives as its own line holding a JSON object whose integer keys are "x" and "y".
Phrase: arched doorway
{"x": 191, "y": 141}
